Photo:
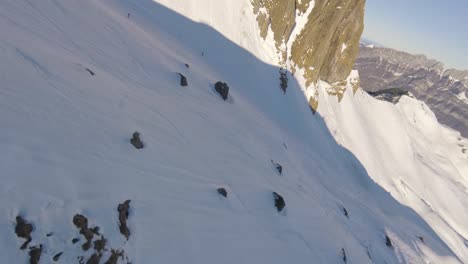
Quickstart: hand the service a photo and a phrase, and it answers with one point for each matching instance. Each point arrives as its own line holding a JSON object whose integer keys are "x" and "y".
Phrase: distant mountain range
{"x": 445, "y": 91}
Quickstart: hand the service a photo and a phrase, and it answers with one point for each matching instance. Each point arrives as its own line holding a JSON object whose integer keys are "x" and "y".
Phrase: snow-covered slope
{"x": 79, "y": 77}
{"x": 423, "y": 164}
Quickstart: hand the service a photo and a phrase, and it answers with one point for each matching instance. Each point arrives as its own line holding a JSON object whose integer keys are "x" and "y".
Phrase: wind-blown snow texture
{"x": 65, "y": 148}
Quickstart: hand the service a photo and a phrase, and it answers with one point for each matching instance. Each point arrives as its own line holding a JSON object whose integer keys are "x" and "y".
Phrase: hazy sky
{"x": 437, "y": 28}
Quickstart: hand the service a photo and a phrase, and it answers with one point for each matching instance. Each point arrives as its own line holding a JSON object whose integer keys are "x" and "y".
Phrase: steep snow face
{"x": 423, "y": 164}
{"x": 234, "y": 19}
{"x": 79, "y": 77}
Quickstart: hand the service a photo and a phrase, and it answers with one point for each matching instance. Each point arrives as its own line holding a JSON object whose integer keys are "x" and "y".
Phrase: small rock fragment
{"x": 283, "y": 80}
{"x": 23, "y": 229}
{"x": 136, "y": 141}
{"x": 222, "y": 89}
{"x": 57, "y": 256}
{"x": 343, "y": 253}
{"x": 123, "y": 209}
{"x": 388, "y": 242}
{"x": 50, "y": 234}
{"x": 222, "y": 191}
{"x": 90, "y": 72}
{"x": 186, "y": 65}
{"x": 75, "y": 240}
{"x": 278, "y": 167}
{"x": 183, "y": 80}
{"x": 279, "y": 201}
{"x": 421, "y": 238}
{"x": 345, "y": 212}
{"x": 35, "y": 254}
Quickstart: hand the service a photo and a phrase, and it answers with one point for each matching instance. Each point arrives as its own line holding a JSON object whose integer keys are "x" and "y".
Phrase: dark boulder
{"x": 186, "y": 65}
{"x": 183, "y": 80}
{"x": 123, "y": 210}
{"x": 222, "y": 192}
{"x": 136, "y": 141}
{"x": 222, "y": 89}
{"x": 279, "y": 201}
{"x": 343, "y": 254}
{"x": 23, "y": 229}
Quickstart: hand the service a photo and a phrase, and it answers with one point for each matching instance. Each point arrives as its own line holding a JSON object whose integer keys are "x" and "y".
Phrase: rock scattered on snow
{"x": 278, "y": 167}
{"x": 35, "y": 254}
{"x": 183, "y": 80}
{"x": 388, "y": 242}
{"x": 81, "y": 222}
{"x": 223, "y": 89}
{"x": 343, "y": 253}
{"x": 279, "y": 201}
{"x": 136, "y": 141}
{"x": 95, "y": 258}
{"x": 90, "y": 72}
{"x": 114, "y": 257}
{"x": 222, "y": 191}
{"x": 23, "y": 229}
{"x": 123, "y": 209}
{"x": 57, "y": 256}
{"x": 100, "y": 244}
{"x": 283, "y": 80}
{"x": 345, "y": 212}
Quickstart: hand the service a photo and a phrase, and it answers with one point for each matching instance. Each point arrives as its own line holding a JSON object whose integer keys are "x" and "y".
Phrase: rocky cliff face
{"x": 320, "y": 37}
{"x": 445, "y": 91}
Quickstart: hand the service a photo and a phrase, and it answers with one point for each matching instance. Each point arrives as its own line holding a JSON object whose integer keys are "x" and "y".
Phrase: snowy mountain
{"x": 248, "y": 176}
{"x": 444, "y": 91}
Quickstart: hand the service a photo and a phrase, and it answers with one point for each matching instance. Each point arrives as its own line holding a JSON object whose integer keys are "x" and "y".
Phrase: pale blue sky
{"x": 437, "y": 28}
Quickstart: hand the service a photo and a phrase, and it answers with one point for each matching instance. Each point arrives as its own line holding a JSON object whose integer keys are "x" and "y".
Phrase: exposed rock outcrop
{"x": 391, "y": 95}
{"x": 327, "y": 45}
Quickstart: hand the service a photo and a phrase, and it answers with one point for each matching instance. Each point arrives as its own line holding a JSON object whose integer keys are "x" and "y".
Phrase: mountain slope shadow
{"x": 194, "y": 140}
